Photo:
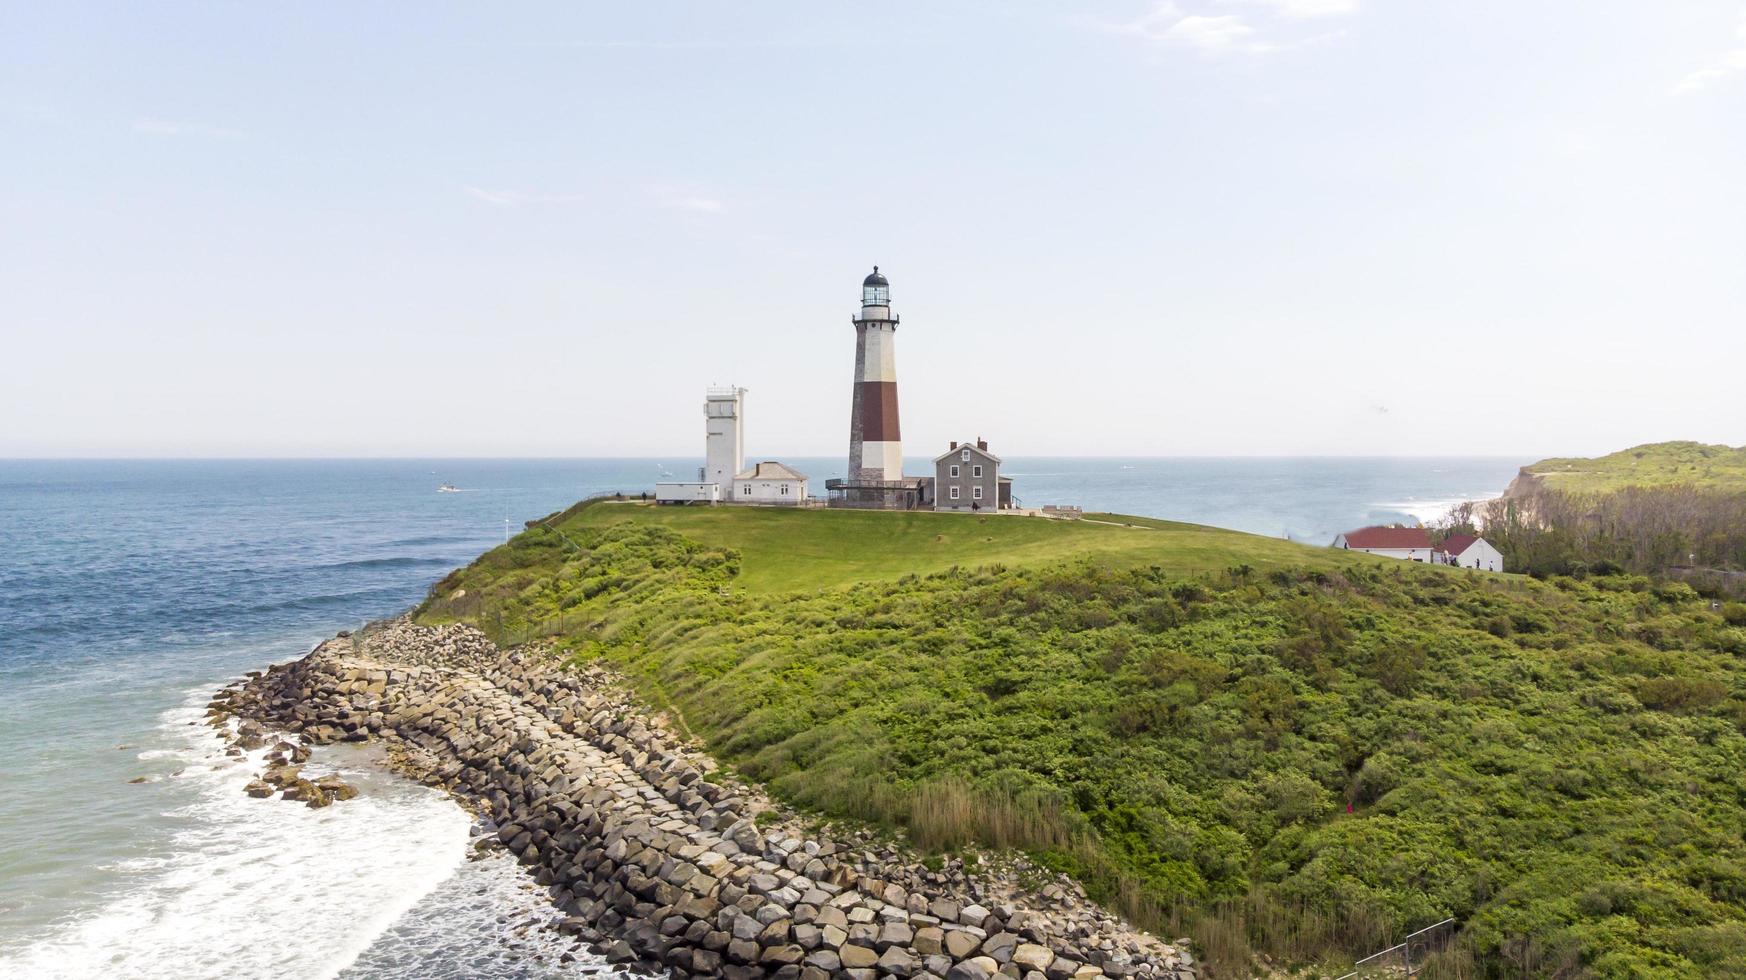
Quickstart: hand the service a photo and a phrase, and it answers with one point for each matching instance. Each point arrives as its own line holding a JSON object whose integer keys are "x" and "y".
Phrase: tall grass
{"x": 1232, "y": 932}
{"x": 944, "y": 814}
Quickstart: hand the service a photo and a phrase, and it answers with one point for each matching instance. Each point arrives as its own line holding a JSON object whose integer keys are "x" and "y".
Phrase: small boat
{"x": 448, "y": 488}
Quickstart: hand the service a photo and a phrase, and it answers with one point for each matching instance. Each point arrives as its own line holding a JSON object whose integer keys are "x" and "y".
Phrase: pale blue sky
{"x": 1196, "y": 227}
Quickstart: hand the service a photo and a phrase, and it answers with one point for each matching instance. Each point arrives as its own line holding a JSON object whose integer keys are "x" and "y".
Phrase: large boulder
{"x": 336, "y": 789}
{"x": 898, "y": 961}
{"x": 961, "y": 943}
{"x": 1030, "y": 956}
{"x": 857, "y": 957}
{"x": 978, "y": 968}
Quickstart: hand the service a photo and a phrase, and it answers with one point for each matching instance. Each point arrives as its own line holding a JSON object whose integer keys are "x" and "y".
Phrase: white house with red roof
{"x": 1470, "y": 551}
{"x": 1409, "y": 543}
{"x": 1414, "y": 544}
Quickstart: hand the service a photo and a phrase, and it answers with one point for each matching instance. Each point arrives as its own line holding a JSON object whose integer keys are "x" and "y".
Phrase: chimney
{"x": 980, "y": 444}
{"x": 954, "y": 444}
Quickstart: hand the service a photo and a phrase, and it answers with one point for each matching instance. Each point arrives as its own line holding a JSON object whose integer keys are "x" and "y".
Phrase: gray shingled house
{"x": 967, "y": 477}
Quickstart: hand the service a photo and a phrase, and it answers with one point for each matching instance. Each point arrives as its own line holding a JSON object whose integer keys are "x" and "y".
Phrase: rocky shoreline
{"x": 651, "y": 857}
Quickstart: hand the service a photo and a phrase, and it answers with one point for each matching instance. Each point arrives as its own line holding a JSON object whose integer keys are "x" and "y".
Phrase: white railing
{"x": 1406, "y": 958}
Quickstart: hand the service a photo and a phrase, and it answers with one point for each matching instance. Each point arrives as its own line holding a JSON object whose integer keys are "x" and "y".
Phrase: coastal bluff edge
{"x": 652, "y": 862}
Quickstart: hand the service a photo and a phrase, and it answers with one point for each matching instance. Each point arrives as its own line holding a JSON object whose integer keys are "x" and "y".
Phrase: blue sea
{"x": 130, "y": 590}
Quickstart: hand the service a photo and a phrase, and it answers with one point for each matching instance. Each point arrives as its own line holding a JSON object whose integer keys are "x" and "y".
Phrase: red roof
{"x": 1455, "y": 544}
{"x": 1401, "y": 538}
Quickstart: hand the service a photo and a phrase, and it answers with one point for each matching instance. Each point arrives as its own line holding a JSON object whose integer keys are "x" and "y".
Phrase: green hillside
{"x": 1182, "y": 716}
{"x": 787, "y": 548}
{"x": 1657, "y": 464}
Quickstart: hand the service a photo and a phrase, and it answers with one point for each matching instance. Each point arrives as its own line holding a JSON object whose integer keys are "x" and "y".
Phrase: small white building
{"x": 769, "y": 482}
{"x": 687, "y": 493}
{"x": 1468, "y": 551}
{"x": 723, "y": 452}
{"x": 1406, "y": 543}
{"x": 1414, "y": 544}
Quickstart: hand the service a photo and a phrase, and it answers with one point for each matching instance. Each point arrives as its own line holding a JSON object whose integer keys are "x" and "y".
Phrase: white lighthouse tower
{"x": 875, "y": 444}
{"x": 724, "y": 448}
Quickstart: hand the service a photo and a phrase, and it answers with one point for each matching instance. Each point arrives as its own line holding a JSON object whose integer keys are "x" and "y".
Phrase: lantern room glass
{"x": 875, "y": 295}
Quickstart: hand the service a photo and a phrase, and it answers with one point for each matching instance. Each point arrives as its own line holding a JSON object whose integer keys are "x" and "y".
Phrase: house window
{"x": 965, "y": 455}
{"x": 976, "y": 471}
{"x": 784, "y": 489}
{"x": 954, "y": 493}
{"x": 976, "y": 493}
{"x": 954, "y": 471}
{"x": 745, "y": 489}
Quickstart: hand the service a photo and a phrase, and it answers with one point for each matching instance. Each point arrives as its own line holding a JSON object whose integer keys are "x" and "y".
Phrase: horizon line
{"x": 396, "y": 458}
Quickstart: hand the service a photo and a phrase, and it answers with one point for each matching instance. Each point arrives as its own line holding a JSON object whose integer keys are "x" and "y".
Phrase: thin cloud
{"x": 704, "y": 204}
{"x": 150, "y": 126}
{"x": 1731, "y": 64}
{"x": 1306, "y": 9}
{"x": 686, "y": 197}
{"x": 504, "y": 197}
{"x": 512, "y": 198}
{"x": 1216, "y": 34}
{"x": 699, "y": 45}
{"x": 34, "y": 112}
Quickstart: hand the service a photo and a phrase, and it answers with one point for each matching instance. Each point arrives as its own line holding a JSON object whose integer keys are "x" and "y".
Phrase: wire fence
{"x": 1406, "y": 958}
{"x": 509, "y": 632}
{"x": 487, "y": 612}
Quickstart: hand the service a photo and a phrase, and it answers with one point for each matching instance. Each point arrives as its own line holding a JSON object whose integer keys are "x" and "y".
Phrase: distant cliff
{"x": 1649, "y": 509}
{"x": 1526, "y": 484}
{"x": 1656, "y": 464}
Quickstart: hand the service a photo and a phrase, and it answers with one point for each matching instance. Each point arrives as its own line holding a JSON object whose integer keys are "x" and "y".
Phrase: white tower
{"x": 724, "y": 453}
{"x": 875, "y": 445}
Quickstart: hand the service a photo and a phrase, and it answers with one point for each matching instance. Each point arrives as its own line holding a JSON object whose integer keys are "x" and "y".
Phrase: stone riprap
{"x": 648, "y": 858}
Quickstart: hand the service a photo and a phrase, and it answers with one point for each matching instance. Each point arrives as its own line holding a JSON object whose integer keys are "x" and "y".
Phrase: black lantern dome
{"x": 875, "y": 290}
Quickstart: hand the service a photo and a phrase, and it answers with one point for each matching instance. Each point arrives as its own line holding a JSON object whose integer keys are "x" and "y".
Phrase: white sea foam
{"x": 1430, "y": 511}
{"x": 488, "y": 919}
{"x": 258, "y": 887}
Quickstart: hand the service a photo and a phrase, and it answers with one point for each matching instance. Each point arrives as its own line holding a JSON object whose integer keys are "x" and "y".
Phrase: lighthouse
{"x": 875, "y": 444}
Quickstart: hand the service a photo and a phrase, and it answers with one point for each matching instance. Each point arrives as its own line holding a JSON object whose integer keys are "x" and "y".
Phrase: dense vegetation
{"x": 1659, "y": 464}
{"x": 1647, "y": 509}
{"x": 1304, "y": 758}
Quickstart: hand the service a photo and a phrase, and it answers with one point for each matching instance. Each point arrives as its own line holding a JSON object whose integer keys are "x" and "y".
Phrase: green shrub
{"x": 1680, "y": 693}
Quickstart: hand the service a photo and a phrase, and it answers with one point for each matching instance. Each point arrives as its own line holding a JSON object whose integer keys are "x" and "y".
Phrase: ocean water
{"x": 130, "y": 590}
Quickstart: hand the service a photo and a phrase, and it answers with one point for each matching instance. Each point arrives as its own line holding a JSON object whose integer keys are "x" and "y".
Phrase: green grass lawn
{"x": 785, "y": 549}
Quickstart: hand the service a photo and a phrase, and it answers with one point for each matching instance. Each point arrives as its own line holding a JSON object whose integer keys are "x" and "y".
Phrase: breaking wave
{"x": 257, "y": 887}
